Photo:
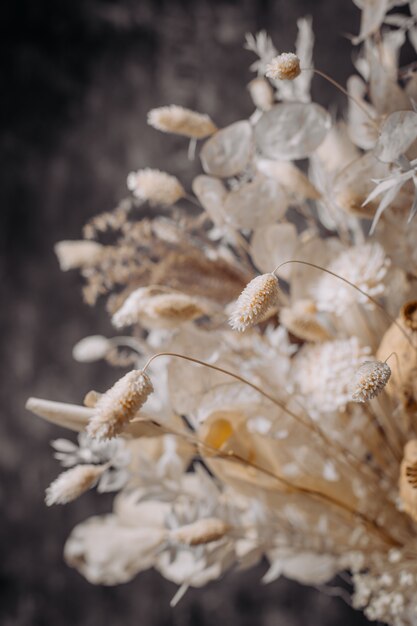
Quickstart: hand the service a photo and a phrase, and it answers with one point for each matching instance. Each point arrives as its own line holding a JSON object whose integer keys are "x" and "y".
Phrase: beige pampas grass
{"x": 285, "y": 66}
{"x": 260, "y": 295}
{"x": 73, "y": 483}
{"x": 119, "y": 405}
{"x": 408, "y": 479}
{"x": 370, "y": 379}
{"x": 301, "y": 321}
{"x": 200, "y": 532}
{"x": 155, "y": 186}
{"x": 181, "y": 121}
{"x": 76, "y": 254}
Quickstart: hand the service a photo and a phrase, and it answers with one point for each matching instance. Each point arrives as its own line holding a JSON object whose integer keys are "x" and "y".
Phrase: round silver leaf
{"x": 227, "y": 152}
{"x": 292, "y": 130}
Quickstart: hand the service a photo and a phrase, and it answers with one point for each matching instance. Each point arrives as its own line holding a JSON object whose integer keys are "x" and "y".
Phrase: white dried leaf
{"x": 373, "y": 14}
{"x": 227, "y": 152}
{"x": 258, "y": 203}
{"x": 272, "y": 245}
{"x": 362, "y": 131}
{"x": 398, "y": 133}
{"x": 306, "y": 568}
{"x": 295, "y": 183}
{"x": 211, "y": 193}
{"x": 291, "y": 130}
{"x": 91, "y": 349}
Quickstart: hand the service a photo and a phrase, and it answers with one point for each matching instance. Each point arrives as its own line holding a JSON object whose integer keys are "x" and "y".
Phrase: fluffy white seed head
{"x": 155, "y": 186}
{"x": 260, "y": 295}
{"x": 181, "y": 121}
{"x": 73, "y": 483}
{"x": 200, "y": 532}
{"x": 119, "y": 405}
{"x": 369, "y": 380}
{"x": 285, "y": 66}
{"x": 91, "y": 349}
{"x": 75, "y": 254}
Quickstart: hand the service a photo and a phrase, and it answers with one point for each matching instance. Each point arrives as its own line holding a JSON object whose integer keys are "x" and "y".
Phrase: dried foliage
{"x": 294, "y": 441}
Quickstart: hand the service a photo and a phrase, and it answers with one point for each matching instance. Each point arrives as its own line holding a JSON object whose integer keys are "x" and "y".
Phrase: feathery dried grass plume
{"x": 285, "y": 66}
{"x": 119, "y": 405}
{"x": 370, "y": 379}
{"x": 200, "y": 532}
{"x": 155, "y": 187}
{"x": 73, "y": 483}
{"x": 181, "y": 121}
{"x": 76, "y": 254}
{"x": 255, "y": 301}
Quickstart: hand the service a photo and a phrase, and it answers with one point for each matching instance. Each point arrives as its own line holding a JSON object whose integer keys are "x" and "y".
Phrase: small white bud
{"x": 91, "y": 349}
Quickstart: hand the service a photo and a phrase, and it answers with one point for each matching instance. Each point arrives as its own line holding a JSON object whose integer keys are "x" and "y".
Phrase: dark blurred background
{"x": 78, "y": 78}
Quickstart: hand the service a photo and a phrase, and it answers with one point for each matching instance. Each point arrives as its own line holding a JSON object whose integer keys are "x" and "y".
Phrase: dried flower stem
{"x": 311, "y": 426}
{"x": 348, "y": 282}
{"x": 372, "y": 524}
{"x": 345, "y": 92}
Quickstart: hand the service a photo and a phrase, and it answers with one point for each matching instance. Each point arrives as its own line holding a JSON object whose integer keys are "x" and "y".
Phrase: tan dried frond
{"x": 73, "y": 483}
{"x": 155, "y": 187}
{"x": 258, "y": 297}
{"x": 180, "y": 121}
{"x": 369, "y": 380}
{"x": 119, "y": 405}
{"x": 301, "y": 321}
{"x": 285, "y": 66}
{"x": 201, "y": 532}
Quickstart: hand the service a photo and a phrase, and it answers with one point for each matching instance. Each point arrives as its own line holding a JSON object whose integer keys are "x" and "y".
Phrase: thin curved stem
{"x": 346, "y": 93}
{"x": 361, "y": 291}
{"x": 311, "y": 426}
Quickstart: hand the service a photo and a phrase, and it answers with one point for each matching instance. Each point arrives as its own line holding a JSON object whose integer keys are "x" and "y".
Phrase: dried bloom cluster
{"x": 307, "y": 437}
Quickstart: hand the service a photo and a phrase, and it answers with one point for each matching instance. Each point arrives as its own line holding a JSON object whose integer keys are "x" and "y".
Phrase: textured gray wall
{"x": 78, "y": 79}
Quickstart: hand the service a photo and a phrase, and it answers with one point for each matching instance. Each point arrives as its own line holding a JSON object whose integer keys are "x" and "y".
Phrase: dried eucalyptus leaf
{"x": 227, "y": 152}
{"x": 398, "y": 133}
{"x": 211, "y": 193}
{"x": 272, "y": 245}
{"x": 292, "y": 130}
{"x": 258, "y": 203}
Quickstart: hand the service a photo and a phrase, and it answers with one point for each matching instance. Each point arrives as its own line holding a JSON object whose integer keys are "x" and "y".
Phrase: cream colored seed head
{"x": 285, "y": 66}
{"x": 119, "y": 405}
{"x": 260, "y": 295}
{"x": 181, "y": 121}
{"x": 155, "y": 186}
{"x": 200, "y": 532}
{"x": 369, "y": 381}
{"x": 73, "y": 483}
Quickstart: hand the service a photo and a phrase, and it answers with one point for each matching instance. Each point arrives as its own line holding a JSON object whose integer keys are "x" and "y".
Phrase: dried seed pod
{"x": 370, "y": 379}
{"x": 119, "y": 405}
{"x": 301, "y": 321}
{"x": 200, "y": 532}
{"x": 403, "y": 383}
{"x": 260, "y": 295}
{"x": 155, "y": 186}
{"x": 285, "y": 66}
{"x": 73, "y": 483}
{"x": 180, "y": 121}
{"x": 408, "y": 479}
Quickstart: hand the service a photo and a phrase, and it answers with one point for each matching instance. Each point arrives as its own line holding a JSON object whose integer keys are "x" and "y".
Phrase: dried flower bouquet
{"x": 269, "y": 409}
